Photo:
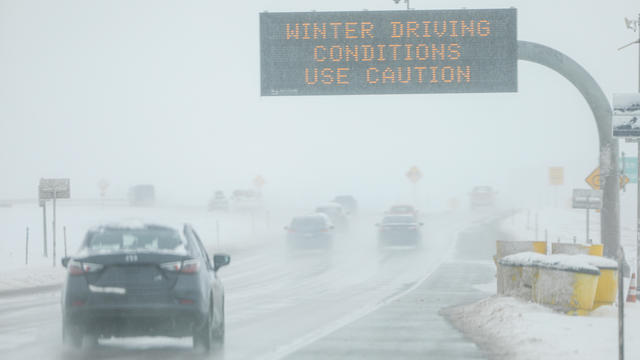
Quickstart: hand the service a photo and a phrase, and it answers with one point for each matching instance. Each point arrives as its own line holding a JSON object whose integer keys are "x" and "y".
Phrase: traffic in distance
{"x": 136, "y": 278}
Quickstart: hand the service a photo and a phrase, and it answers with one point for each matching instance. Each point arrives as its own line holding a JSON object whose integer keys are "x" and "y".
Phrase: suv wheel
{"x": 72, "y": 334}
{"x": 218, "y": 333}
{"x": 202, "y": 336}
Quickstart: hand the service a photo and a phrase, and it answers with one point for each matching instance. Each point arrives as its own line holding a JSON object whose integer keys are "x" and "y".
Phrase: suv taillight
{"x": 185, "y": 267}
{"x": 78, "y": 268}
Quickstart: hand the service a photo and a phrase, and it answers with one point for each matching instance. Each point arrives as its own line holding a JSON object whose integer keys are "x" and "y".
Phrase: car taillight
{"x": 75, "y": 267}
{"x": 89, "y": 268}
{"x": 172, "y": 266}
{"x": 185, "y": 267}
{"x": 78, "y": 268}
{"x": 190, "y": 266}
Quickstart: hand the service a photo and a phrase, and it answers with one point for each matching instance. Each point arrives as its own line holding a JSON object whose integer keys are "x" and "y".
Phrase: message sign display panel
{"x": 388, "y": 52}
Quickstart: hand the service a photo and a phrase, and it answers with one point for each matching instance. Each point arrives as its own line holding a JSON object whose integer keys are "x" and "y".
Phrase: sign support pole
{"x": 638, "y": 180}
{"x": 588, "y": 206}
{"x": 53, "y": 248}
{"x": 44, "y": 226}
{"x": 620, "y": 308}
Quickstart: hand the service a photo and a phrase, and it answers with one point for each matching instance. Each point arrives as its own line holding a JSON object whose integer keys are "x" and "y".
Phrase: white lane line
{"x": 316, "y": 335}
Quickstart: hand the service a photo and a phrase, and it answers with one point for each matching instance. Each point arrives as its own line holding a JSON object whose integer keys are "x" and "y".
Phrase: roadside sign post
{"x": 556, "y": 178}
{"x": 103, "y": 185}
{"x": 587, "y": 199}
{"x": 53, "y": 189}
{"x": 620, "y": 307}
{"x": 414, "y": 175}
{"x": 43, "y": 203}
{"x": 26, "y": 250}
{"x": 53, "y": 229}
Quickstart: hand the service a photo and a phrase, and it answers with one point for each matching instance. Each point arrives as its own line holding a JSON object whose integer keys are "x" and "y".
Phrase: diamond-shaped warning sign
{"x": 414, "y": 174}
{"x": 594, "y": 179}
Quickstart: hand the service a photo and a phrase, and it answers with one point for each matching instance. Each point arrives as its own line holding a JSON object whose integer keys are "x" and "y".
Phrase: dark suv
{"x": 141, "y": 279}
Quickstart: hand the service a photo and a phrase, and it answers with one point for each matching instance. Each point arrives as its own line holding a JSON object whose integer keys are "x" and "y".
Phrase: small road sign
{"x": 594, "y": 179}
{"x": 626, "y": 115}
{"x": 587, "y": 199}
{"x": 259, "y": 181}
{"x": 103, "y": 185}
{"x": 414, "y": 174}
{"x": 50, "y": 188}
{"x": 630, "y": 166}
{"x": 556, "y": 175}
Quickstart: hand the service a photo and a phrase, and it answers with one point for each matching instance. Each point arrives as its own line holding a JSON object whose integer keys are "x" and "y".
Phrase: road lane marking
{"x": 318, "y": 334}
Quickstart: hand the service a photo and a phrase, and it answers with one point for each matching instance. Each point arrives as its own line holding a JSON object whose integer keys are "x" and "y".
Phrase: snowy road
{"x": 353, "y": 301}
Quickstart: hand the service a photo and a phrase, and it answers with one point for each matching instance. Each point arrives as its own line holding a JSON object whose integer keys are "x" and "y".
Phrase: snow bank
{"x": 576, "y": 263}
{"x": 508, "y": 328}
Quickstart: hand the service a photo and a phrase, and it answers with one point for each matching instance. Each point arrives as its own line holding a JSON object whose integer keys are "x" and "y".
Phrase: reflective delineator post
{"x": 26, "y": 249}
{"x": 620, "y": 308}
{"x": 64, "y": 233}
{"x": 44, "y": 227}
{"x": 53, "y": 246}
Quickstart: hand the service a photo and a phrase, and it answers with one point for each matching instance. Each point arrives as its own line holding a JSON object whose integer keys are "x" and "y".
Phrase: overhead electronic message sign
{"x": 388, "y": 52}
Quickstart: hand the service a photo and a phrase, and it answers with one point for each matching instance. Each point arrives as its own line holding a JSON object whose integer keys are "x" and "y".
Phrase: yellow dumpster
{"x": 517, "y": 274}
{"x": 566, "y": 283}
{"x": 569, "y": 249}
{"x": 596, "y": 250}
{"x": 506, "y": 248}
{"x": 608, "y": 283}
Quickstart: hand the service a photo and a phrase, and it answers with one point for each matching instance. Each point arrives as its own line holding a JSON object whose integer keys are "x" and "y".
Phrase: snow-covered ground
{"x": 236, "y": 231}
{"x": 510, "y": 328}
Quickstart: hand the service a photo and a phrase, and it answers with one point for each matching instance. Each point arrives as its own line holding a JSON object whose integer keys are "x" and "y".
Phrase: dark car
{"x": 399, "y": 230}
{"x": 310, "y": 231}
{"x": 142, "y": 279}
{"x": 142, "y": 195}
{"x": 403, "y": 210}
{"x": 482, "y": 197}
{"x": 336, "y": 214}
{"x": 348, "y": 202}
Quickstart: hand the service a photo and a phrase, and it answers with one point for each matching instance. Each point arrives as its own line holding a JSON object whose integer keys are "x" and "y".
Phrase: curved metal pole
{"x": 601, "y": 109}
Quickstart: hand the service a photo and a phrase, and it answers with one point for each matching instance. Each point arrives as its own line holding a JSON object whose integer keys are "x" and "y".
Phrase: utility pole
{"x": 633, "y": 25}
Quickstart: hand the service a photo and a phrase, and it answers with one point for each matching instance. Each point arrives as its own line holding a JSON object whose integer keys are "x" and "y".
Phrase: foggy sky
{"x": 167, "y": 92}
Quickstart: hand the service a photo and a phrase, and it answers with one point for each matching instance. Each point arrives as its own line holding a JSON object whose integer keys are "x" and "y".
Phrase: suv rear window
{"x": 308, "y": 224}
{"x": 145, "y": 239}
